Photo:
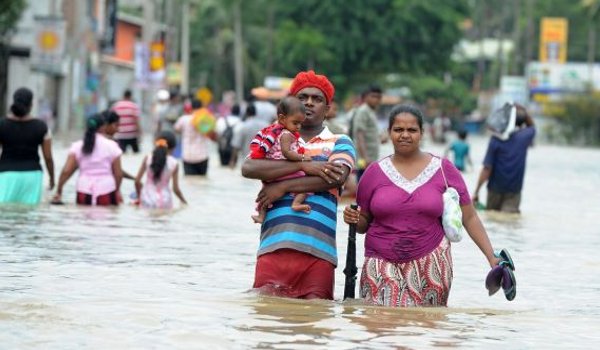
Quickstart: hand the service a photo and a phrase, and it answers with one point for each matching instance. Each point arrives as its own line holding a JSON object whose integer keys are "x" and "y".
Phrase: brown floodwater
{"x": 74, "y": 277}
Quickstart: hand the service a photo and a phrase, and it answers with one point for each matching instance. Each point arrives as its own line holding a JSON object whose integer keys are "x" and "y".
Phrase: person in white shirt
{"x": 195, "y": 145}
{"x": 225, "y": 129}
{"x": 265, "y": 110}
{"x": 244, "y": 133}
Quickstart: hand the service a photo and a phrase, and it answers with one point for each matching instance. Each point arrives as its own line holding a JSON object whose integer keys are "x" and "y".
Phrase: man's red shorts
{"x": 293, "y": 274}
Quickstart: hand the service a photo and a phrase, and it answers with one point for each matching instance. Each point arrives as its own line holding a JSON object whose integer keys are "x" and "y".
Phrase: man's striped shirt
{"x": 312, "y": 233}
{"x": 129, "y": 115}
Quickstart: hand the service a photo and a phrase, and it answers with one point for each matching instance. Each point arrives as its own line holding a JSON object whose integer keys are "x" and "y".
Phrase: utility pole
{"x": 147, "y": 37}
{"x": 529, "y": 4}
{"x": 270, "y": 38}
{"x": 185, "y": 46}
{"x": 591, "y": 56}
{"x": 61, "y": 89}
{"x": 70, "y": 90}
{"x": 237, "y": 52}
{"x": 500, "y": 52}
{"x": 516, "y": 64}
{"x": 478, "y": 83}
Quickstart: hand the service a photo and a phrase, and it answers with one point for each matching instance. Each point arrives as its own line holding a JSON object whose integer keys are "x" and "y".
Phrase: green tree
{"x": 10, "y": 13}
{"x": 365, "y": 40}
{"x": 354, "y": 42}
{"x": 212, "y": 40}
{"x": 578, "y": 118}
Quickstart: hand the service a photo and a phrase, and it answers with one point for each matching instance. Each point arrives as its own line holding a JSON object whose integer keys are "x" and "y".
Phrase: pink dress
{"x": 275, "y": 153}
{"x": 157, "y": 195}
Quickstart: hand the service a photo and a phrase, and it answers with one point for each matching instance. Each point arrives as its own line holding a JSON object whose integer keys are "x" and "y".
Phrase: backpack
{"x": 225, "y": 138}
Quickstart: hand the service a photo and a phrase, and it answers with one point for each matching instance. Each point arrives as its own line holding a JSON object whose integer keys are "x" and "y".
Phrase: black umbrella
{"x": 350, "y": 270}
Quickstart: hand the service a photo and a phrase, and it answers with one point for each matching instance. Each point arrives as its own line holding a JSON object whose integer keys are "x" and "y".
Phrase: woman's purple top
{"x": 406, "y": 215}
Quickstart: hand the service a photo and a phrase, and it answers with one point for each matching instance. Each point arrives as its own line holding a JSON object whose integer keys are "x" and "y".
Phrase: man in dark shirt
{"x": 504, "y": 166}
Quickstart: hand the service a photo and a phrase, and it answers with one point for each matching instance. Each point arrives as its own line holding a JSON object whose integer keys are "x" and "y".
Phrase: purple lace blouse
{"x": 406, "y": 214}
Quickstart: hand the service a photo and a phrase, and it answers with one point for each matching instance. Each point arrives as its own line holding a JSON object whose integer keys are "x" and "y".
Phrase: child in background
{"x": 280, "y": 141}
{"x": 460, "y": 148}
{"x": 161, "y": 167}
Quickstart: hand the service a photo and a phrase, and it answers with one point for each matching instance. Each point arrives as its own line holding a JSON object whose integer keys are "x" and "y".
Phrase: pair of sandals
{"x": 503, "y": 276}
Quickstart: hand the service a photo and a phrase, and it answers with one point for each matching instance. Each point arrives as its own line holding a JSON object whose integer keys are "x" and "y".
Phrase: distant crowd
{"x": 305, "y": 160}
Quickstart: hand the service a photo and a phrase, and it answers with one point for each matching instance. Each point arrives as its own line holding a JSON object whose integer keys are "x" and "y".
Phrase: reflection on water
{"x": 74, "y": 277}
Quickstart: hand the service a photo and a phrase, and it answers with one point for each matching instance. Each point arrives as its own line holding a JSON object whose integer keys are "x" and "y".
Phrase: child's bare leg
{"x": 259, "y": 217}
{"x": 298, "y": 203}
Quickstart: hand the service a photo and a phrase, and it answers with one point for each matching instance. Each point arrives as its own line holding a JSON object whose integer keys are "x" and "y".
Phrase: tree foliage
{"x": 10, "y": 13}
{"x": 357, "y": 42}
{"x": 353, "y": 41}
{"x": 578, "y": 118}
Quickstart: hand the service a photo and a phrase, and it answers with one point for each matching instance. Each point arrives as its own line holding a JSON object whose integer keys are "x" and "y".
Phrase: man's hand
{"x": 269, "y": 194}
{"x": 330, "y": 172}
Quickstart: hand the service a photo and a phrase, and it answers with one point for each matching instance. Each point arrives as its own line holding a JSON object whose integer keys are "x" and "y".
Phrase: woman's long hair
{"x": 93, "y": 123}
{"x": 165, "y": 141}
{"x": 22, "y": 102}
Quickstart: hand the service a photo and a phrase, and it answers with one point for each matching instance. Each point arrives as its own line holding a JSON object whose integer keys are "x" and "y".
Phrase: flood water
{"x": 74, "y": 277}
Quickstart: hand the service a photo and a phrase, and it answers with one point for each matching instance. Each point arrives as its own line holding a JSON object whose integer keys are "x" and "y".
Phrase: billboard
{"x": 554, "y": 34}
{"x": 555, "y": 78}
{"x": 513, "y": 89}
{"x": 48, "y": 50}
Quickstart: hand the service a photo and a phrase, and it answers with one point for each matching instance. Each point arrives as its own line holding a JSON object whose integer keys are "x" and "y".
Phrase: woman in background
{"x": 99, "y": 162}
{"x": 21, "y": 135}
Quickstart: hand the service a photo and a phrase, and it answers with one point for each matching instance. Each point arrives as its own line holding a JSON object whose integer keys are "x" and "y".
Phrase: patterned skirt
{"x": 422, "y": 282}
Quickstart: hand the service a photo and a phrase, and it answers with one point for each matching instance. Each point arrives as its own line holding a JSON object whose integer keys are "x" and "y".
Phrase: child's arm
{"x": 138, "y": 178}
{"x": 176, "y": 189}
{"x": 286, "y": 140}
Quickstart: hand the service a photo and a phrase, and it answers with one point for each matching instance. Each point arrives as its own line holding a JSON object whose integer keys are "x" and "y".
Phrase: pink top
{"x": 95, "y": 169}
{"x": 406, "y": 214}
{"x": 275, "y": 150}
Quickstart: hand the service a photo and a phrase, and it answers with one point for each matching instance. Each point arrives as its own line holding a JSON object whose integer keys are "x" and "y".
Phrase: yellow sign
{"x": 157, "y": 56}
{"x": 204, "y": 95}
{"x": 174, "y": 73}
{"x": 554, "y": 35}
{"x": 541, "y": 98}
{"x": 48, "y": 41}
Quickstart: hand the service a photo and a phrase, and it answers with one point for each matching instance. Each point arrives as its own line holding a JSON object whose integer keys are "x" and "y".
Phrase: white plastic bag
{"x": 452, "y": 216}
{"x": 502, "y": 122}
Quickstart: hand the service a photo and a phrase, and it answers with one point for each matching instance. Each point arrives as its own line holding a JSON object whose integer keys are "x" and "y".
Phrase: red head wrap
{"x": 310, "y": 79}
